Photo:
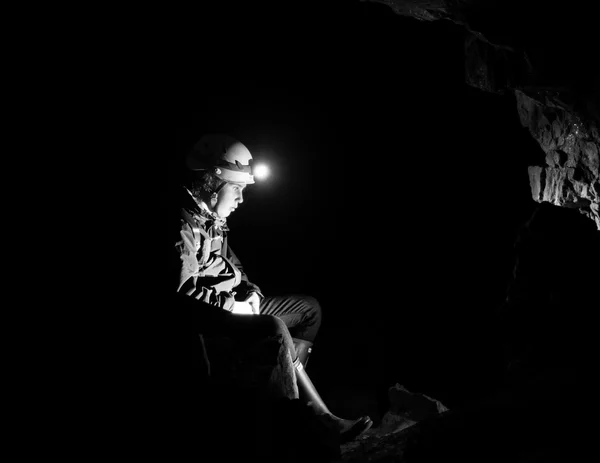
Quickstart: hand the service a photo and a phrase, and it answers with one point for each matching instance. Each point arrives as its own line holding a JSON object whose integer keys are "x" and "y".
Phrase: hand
{"x": 243, "y": 308}
{"x": 254, "y": 300}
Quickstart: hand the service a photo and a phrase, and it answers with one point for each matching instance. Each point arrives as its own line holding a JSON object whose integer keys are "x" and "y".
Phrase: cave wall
{"x": 543, "y": 54}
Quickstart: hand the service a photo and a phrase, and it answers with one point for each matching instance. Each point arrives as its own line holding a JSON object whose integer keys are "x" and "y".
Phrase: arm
{"x": 245, "y": 288}
{"x": 194, "y": 262}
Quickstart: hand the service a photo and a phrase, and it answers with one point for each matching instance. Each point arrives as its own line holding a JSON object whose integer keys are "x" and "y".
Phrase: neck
{"x": 205, "y": 206}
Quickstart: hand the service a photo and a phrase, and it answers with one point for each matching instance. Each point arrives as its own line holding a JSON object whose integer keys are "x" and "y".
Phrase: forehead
{"x": 235, "y": 184}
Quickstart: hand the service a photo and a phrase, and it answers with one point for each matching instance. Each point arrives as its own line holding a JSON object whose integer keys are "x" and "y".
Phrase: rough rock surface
{"x": 543, "y": 53}
{"x": 250, "y": 390}
{"x": 541, "y": 409}
{"x": 408, "y": 408}
{"x": 388, "y": 439}
{"x": 570, "y": 177}
{"x": 263, "y": 365}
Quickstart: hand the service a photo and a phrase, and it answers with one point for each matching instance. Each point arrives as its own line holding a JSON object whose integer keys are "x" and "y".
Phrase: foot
{"x": 350, "y": 429}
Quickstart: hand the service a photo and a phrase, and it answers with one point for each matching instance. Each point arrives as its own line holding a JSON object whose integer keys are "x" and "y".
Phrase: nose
{"x": 241, "y": 198}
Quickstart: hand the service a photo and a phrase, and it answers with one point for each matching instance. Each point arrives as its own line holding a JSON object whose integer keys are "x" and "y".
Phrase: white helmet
{"x": 228, "y": 158}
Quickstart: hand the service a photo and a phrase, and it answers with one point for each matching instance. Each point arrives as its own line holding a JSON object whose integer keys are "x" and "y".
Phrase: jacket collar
{"x": 209, "y": 217}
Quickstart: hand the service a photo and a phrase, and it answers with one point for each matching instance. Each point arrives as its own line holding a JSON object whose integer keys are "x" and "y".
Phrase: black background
{"x": 396, "y": 189}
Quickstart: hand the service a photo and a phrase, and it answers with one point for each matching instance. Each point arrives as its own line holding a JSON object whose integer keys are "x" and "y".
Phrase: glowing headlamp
{"x": 260, "y": 171}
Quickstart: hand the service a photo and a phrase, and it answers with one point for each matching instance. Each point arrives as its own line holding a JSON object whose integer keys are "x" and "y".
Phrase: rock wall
{"x": 542, "y": 53}
{"x": 570, "y": 175}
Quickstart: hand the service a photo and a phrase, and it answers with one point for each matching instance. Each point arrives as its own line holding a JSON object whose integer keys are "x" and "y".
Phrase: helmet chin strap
{"x": 213, "y": 202}
{"x": 215, "y": 193}
{"x": 214, "y": 196}
{"x": 210, "y": 208}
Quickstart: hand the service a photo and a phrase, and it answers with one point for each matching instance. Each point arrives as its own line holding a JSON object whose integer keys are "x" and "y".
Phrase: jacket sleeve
{"x": 245, "y": 287}
{"x": 193, "y": 262}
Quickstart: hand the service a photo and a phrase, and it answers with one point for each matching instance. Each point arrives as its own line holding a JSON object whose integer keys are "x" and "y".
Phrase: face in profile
{"x": 228, "y": 199}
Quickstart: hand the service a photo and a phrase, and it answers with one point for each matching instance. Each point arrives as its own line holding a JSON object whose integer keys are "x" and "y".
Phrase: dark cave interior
{"x": 398, "y": 192}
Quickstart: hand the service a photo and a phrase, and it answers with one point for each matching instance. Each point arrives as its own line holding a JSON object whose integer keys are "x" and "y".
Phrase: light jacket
{"x": 209, "y": 270}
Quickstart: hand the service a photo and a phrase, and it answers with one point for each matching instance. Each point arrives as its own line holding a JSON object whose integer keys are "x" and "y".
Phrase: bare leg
{"x": 348, "y": 429}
